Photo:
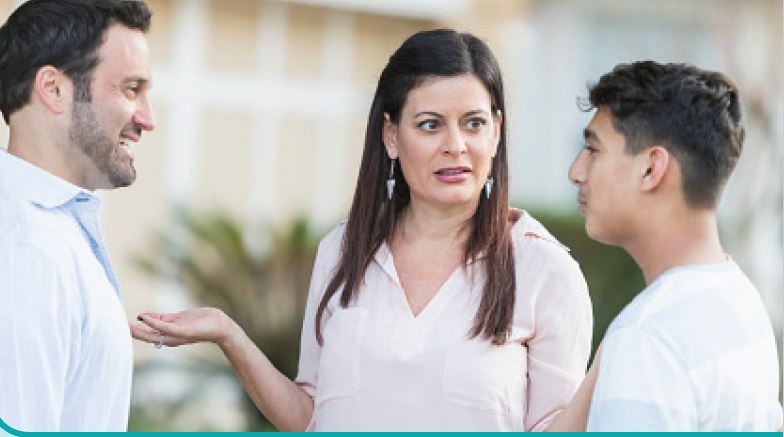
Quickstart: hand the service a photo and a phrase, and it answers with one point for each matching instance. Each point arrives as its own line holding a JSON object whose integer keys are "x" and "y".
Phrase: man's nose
{"x": 144, "y": 117}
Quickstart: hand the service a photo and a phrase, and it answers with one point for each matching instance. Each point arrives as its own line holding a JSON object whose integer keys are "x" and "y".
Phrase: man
{"x": 695, "y": 350}
{"x": 74, "y": 76}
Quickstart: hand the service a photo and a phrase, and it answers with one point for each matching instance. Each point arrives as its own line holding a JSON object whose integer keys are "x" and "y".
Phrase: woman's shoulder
{"x": 330, "y": 245}
{"x": 544, "y": 266}
{"x": 335, "y": 234}
{"x": 537, "y": 252}
{"x": 529, "y": 235}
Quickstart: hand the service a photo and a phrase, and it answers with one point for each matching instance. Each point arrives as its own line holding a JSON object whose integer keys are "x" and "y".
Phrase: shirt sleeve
{"x": 38, "y": 330}
{"x": 559, "y": 350}
{"x": 310, "y": 350}
{"x": 642, "y": 386}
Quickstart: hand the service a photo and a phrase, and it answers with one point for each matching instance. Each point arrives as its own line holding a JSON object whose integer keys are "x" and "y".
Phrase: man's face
{"x": 608, "y": 179}
{"x": 119, "y": 110}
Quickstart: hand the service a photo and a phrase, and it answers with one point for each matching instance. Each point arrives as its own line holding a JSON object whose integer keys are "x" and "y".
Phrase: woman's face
{"x": 445, "y": 140}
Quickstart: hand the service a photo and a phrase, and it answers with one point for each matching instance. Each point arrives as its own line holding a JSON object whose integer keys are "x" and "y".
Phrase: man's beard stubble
{"x": 86, "y": 134}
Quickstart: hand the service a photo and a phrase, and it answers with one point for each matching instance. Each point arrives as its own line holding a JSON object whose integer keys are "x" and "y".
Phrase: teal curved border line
{"x": 5, "y": 427}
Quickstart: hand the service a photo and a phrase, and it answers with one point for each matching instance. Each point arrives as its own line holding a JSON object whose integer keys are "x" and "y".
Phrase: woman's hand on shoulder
{"x": 186, "y": 327}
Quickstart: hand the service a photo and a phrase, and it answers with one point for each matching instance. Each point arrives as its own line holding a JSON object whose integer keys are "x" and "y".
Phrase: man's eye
{"x": 591, "y": 149}
{"x": 428, "y": 125}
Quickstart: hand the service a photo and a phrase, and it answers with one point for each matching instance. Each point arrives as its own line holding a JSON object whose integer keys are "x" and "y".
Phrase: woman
{"x": 435, "y": 306}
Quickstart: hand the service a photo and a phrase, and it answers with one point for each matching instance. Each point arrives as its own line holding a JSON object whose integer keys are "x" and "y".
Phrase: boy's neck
{"x": 680, "y": 240}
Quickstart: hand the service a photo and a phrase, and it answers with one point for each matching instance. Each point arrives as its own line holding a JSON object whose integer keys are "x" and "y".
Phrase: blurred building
{"x": 261, "y": 107}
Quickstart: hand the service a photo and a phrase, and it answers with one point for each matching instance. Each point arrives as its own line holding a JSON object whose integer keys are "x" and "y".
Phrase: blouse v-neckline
{"x": 385, "y": 259}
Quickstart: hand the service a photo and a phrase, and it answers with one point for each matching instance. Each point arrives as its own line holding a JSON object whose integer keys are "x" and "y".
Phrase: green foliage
{"x": 612, "y": 275}
{"x": 265, "y": 293}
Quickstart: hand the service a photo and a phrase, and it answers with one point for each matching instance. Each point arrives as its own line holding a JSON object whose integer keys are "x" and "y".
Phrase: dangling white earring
{"x": 489, "y": 187}
{"x": 391, "y": 181}
{"x": 489, "y": 183}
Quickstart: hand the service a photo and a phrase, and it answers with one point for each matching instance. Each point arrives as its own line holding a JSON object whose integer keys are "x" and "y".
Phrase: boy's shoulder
{"x": 687, "y": 308}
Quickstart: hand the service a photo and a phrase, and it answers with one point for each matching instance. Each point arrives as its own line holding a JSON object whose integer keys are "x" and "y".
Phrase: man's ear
{"x": 390, "y": 137}
{"x": 656, "y": 162}
{"x": 53, "y": 89}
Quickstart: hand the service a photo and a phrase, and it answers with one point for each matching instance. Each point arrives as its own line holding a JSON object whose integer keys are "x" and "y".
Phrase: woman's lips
{"x": 452, "y": 175}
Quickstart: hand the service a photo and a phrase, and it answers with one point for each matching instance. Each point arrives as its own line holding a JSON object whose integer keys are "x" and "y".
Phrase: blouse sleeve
{"x": 327, "y": 258}
{"x": 560, "y": 347}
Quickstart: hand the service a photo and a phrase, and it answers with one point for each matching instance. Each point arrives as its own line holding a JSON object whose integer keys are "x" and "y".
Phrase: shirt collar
{"x": 36, "y": 184}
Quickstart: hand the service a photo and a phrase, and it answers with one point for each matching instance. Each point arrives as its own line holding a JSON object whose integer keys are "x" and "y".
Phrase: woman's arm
{"x": 287, "y": 405}
{"x": 559, "y": 350}
{"x": 281, "y": 401}
{"x": 574, "y": 418}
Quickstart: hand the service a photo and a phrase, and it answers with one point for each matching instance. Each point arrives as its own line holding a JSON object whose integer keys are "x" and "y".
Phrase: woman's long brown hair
{"x": 373, "y": 218}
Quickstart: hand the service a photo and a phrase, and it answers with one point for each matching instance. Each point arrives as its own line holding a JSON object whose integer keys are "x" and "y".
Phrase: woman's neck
{"x": 423, "y": 221}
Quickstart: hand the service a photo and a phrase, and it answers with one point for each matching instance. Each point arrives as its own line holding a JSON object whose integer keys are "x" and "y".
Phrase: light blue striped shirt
{"x": 694, "y": 351}
{"x": 65, "y": 346}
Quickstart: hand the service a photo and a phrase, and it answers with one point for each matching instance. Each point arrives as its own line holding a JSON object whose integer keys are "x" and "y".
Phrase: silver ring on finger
{"x": 161, "y": 341}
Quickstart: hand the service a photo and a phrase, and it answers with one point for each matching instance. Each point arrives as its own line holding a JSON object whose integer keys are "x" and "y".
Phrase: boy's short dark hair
{"x": 694, "y": 113}
{"x": 65, "y": 34}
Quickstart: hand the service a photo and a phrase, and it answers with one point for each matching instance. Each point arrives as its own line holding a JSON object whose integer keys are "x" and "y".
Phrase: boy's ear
{"x": 390, "y": 137}
{"x": 656, "y": 163}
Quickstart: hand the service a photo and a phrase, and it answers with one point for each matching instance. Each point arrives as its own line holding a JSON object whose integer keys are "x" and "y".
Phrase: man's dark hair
{"x": 693, "y": 113}
{"x": 65, "y": 34}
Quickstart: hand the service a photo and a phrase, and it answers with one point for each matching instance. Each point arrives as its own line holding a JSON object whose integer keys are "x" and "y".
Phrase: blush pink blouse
{"x": 383, "y": 369}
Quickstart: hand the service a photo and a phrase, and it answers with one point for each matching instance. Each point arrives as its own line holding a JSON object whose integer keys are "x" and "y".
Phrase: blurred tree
{"x": 265, "y": 293}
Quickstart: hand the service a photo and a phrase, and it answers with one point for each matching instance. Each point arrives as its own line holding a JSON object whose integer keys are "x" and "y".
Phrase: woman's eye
{"x": 132, "y": 91}
{"x": 476, "y": 123}
{"x": 428, "y": 125}
{"x": 591, "y": 149}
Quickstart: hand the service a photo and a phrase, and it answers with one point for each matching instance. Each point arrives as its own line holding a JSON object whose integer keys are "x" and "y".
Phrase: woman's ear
{"x": 656, "y": 162}
{"x": 390, "y": 137}
{"x": 53, "y": 89}
{"x": 498, "y": 120}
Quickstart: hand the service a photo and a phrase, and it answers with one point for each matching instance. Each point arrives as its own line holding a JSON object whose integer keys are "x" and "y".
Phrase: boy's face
{"x": 609, "y": 182}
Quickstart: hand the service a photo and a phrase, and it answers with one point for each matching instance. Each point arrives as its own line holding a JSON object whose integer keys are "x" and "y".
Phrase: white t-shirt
{"x": 694, "y": 351}
{"x": 383, "y": 369}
